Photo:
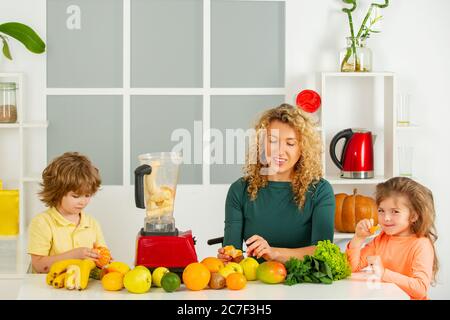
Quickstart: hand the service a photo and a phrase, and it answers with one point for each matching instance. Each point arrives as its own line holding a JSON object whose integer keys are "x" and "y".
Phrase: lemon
{"x": 157, "y": 275}
{"x": 170, "y": 282}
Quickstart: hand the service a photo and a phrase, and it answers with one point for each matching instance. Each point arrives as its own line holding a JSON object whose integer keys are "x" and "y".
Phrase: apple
{"x": 138, "y": 280}
{"x": 271, "y": 272}
{"x": 249, "y": 265}
{"x": 230, "y": 267}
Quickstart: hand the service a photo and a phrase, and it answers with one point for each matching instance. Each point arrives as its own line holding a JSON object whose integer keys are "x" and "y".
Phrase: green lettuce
{"x": 331, "y": 254}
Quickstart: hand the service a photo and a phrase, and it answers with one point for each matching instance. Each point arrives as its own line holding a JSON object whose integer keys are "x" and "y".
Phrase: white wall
{"x": 414, "y": 43}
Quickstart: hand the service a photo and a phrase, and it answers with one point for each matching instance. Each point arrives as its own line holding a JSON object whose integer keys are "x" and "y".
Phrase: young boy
{"x": 64, "y": 231}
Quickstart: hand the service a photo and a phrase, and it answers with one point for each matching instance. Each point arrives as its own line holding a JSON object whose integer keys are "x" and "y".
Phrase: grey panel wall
{"x": 153, "y": 121}
{"x": 166, "y": 43}
{"x": 91, "y": 125}
{"x": 236, "y": 112}
{"x": 247, "y": 44}
{"x": 84, "y": 43}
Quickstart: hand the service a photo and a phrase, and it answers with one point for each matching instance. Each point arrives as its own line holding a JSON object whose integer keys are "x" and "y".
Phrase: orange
{"x": 236, "y": 281}
{"x": 112, "y": 281}
{"x": 213, "y": 264}
{"x": 196, "y": 276}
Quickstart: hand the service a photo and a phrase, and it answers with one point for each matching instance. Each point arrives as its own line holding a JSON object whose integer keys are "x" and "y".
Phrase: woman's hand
{"x": 362, "y": 230}
{"x": 84, "y": 253}
{"x": 258, "y": 247}
{"x": 222, "y": 256}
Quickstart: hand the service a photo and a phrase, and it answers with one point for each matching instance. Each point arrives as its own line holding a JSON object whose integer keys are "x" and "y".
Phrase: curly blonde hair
{"x": 68, "y": 172}
{"x": 308, "y": 168}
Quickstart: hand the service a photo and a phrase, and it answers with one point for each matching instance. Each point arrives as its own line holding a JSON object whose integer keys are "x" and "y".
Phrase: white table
{"x": 359, "y": 286}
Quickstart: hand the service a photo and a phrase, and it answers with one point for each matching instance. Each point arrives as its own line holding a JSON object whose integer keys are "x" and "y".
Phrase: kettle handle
{"x": 139, "y": 173}
{"x": 344, "y": 134}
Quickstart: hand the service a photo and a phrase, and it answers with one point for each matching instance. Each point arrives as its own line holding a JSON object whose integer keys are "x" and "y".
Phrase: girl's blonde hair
{"x": 68, "y": 172}
{"x": 308, "y": 168}
{"x": 419, "y": 201}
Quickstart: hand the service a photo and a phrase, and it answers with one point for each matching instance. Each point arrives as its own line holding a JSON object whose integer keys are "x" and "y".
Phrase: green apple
{"x": 137, "y": 280}
{"x": 249, "y": 265}
{"x": 230, "y": 267}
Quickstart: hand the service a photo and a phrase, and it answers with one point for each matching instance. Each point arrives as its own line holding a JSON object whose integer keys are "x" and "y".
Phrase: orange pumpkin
{"x": 104, "y": 256}
{"x": 350, "y": 209}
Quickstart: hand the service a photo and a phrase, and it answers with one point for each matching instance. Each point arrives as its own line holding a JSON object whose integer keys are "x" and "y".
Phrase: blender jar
{"x": 156, "y": 182}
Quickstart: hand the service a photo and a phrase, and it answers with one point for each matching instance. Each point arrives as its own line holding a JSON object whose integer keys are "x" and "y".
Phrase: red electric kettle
{"x": 356, "y": 161}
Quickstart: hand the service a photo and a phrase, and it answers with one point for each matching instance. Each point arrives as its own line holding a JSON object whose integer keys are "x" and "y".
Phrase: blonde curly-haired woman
{"x": 282, "y": 206}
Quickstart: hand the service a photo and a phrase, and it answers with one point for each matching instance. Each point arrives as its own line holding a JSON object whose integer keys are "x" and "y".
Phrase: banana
{"x": 60, "y": 266}
{"x": 72, "y": 278}
{"x": 49, "y": 279}
{"x": 85, "y": 270}
{"x": 59, "y": 281}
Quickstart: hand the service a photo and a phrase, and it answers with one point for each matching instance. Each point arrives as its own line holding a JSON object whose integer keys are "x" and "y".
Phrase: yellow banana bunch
{"x": 59, "y": 267}
{"x": 71, "y": 273}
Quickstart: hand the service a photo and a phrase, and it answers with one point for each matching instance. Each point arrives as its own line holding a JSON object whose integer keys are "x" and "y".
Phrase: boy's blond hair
{"x": 68, "y": 172}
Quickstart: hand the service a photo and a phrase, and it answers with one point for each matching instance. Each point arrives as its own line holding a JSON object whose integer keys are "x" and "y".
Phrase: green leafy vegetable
{"x": 308, "y": 270}
{"x": 336, "y": 260}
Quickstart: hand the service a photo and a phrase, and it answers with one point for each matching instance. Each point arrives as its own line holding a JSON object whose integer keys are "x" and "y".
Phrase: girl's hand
{"x": 258, "y": 247}
{"x": 222, "y": 256}
{"x": 362, "y": 230}
{"x": 377, "y": 265}
{"x": 84, "y": 253}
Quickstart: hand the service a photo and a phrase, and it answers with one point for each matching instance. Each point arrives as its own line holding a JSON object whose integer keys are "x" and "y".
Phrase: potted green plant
{"x": 356, "y": 57}
{"x": 23, "y": 33}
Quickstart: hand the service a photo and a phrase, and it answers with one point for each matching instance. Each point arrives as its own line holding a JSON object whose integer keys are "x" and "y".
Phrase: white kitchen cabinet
{"x": 15, "y": 140}
{"x": 359, "y": 100}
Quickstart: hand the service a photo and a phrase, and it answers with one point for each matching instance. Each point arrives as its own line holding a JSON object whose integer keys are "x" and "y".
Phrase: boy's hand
{"x": 362, "y": 230}
{"x": 84, "y": 253}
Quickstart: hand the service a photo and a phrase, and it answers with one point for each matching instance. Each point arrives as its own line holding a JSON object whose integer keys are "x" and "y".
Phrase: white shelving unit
{"x": 360, "y": 100}
{"x": 19, "y": 180}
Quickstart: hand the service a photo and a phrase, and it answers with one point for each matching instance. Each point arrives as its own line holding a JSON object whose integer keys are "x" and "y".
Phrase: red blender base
{"x": 171, "y": 251}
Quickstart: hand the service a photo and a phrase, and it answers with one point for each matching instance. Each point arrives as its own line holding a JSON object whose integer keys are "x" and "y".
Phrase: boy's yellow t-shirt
{"x": 51, "y": 234}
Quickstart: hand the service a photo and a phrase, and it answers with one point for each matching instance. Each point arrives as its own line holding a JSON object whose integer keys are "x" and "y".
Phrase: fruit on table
{"x": 196, "y": 276}
{"x": 138, "y": 280}
{"x": 249, "y": 266}
{"x": 170, "y": 281}
{"x": 113, "y": 281}
{"x": 271, "y": 272}
{"x": 236, "y": 281}
{"x": 59, "y": 267}
{"x": 231, "y": 267}
{"x": 350, "y": 209}
{"x": 158, "y": 274}
{"x": 58, "y": 282}
{"x": 117, "y": 266}
{"x": 217, "y": 281}
{"x": 104, "y": 256}
{"x": 213, "y": 264}
{"x": 97, "y": 273}
{"x": 86, "y": 267}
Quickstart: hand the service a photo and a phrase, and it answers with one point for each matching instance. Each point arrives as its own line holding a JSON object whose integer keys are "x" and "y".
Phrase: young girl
{"x": 64, "y": 231}
{"x": 403, "y": 253}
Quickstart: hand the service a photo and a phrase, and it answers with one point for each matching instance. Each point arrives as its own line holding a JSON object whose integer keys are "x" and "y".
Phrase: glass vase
{"x": 356, "y": 57}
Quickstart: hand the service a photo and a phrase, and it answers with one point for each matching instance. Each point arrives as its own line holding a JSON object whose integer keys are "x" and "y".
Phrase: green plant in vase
{"x": 23, "y": 33}
{"x": 357, "y": 58}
